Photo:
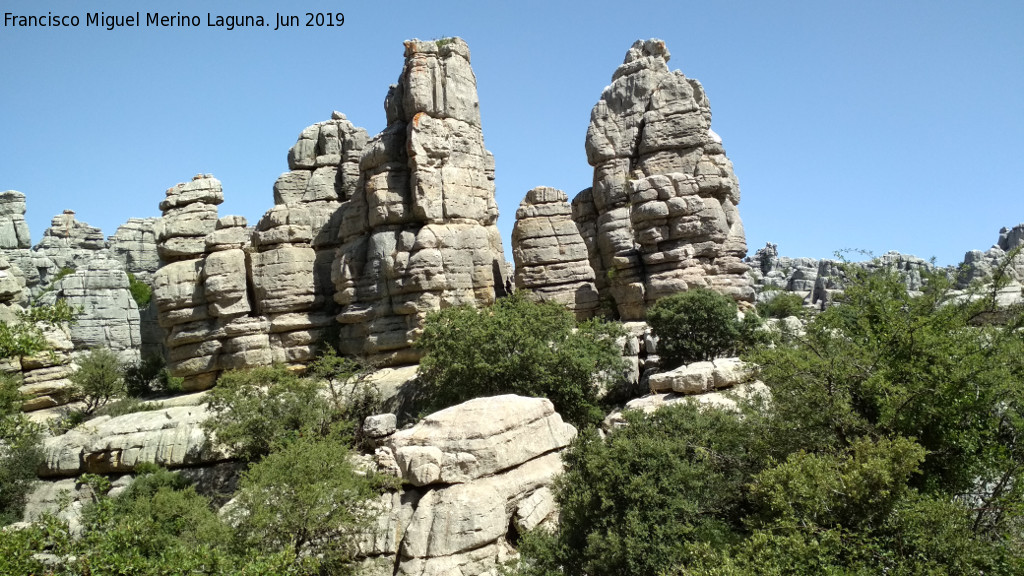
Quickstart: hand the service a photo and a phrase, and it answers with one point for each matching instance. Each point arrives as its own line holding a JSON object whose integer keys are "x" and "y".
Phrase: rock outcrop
{"x": 14, "y": 233}
{"x": 109, "y": 316}
{"x": 474, "y": 475}
{"x": 661, "y": 216}
{"x": 233, "y": 297}
{"x": 419, "y": 231}
{"x": 551, "y": 258}
{"x": 134, "y": 245}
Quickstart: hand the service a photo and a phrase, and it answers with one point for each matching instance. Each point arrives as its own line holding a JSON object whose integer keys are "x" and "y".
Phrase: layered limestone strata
{"x": 419, "y": 233}
{"x": 232, "y": 297}
{"x": 469, "y": 473}
{"x": 661, "y": 216}
{"x": 550, "y": 255}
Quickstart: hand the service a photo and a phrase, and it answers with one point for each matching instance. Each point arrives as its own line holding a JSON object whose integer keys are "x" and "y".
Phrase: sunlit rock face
{"x": 661, "y": 215}
{"x": 418, "y": 234}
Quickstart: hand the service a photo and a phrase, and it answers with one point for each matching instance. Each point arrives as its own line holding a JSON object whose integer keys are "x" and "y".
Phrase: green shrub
{"x": 24, "y": 337}
{"x": 255, "y": 408}
{"x": 890, "y": 445}
{"x": 307, "y": 497}
{"x": 20, "y": 452}
{"x": 636, "y": 502}
{"x": 141, "y": 292}
{"x": 782, "y": 305}
{"x": 698, "y": 324}
{"x": 150, "y": 378}
{"x": 521, "y": 347}
{"x": 99, "y": 378}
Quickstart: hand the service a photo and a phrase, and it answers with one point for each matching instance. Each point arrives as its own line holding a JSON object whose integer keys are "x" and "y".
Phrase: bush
{"x": 782, "y": 305}
{"x": 25, "y": 336}
{"x": 150, "y": 378}
{"x": 141, "y": 292}
{"x": 255, "y": 408}
{"x": 307, "y": 497}
{"x": 635, "y": 503}
{"x": 20, "y": 452}
{"x": 698, "y": 324}
{"x": 99, "y": 378}
{"x": 521, "y": 347}
{"x": 890, "y": 445}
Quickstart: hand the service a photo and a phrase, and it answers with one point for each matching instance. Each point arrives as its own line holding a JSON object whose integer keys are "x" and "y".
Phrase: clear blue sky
{"x": 871, "y": 125}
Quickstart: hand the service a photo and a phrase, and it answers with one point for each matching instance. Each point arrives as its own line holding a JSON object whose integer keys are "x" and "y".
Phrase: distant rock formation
{"x": 72, "y": 262}
{"x": 419, "y": 232}
{"x": 661, "y": 216}
{"x": 550, "y": 255}
{"x": 979, "y": 266}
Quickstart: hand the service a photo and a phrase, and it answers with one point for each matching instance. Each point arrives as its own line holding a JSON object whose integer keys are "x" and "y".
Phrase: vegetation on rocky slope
{"x": 891, "y": 444}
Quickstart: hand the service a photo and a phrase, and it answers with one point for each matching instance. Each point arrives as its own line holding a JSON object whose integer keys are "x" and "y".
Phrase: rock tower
{"x": 419, "y": 232}
{"x": 661, "y": 216}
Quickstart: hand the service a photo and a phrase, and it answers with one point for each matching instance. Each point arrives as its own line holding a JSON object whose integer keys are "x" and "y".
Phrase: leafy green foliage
{"x": 20, "y": 452}
{"x": 782, "y": 305}
{"x": 632, "y": 504}
{"x": 24, "y": 337}
{"x": 150, "y": 378}
{"x": 158, "y": 526}
{"x": 141, "y": 292}
{"x": 255, "y": 408}
{"x": 306, "y": 497}
{"x": 98, "y": 379}
{"x": 890, "y": 445}
{"x": 698, "y": 324}
{"x": 520, "y": 347}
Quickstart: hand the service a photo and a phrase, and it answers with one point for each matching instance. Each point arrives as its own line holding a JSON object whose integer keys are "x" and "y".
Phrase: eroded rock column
{"x": 661, "y": 216}
{"x": 419, "y": 234}
{"x": 550, "y": 255}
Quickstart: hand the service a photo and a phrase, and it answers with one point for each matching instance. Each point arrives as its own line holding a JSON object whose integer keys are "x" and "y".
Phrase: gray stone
{"x": 661, "y": 216}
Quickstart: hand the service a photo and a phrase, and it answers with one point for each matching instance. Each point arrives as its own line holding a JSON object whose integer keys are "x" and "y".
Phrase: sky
{"x": 870, "y": 125}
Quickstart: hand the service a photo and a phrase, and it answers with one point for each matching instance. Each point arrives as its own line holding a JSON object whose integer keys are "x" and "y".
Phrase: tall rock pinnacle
{"x": 661, "y": 216}
{"x": 420, "y": 232}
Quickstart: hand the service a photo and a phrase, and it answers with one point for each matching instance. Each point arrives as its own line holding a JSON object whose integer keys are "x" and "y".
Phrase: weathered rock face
{"x": 233, "y": 297}
{"x": 134, "y": 245}
{"x": 551, "y": 258}
{"x": 661, "y": 216}
{"x": 172, "y": 437}
{"x": 199, "y": 300}
{"x": 13, "y": 226}
{"x": 469, "y": 473}
{"x": 296, "y": 241}
{"x": 419, "y": 231}
{"x": 110, "y": 316}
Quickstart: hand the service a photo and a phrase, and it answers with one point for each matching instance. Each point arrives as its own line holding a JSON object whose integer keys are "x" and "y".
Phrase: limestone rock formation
{"x": 13, "y": 226}
{"x": 419, "y": 231}
{"x": 109, "y": 315}
{"x": 231, "y": 296}
{"x": 980, "y": 266}
{"x": 134, "y": 245}
{"x": 469, "y": 472}
{"x": 661, "y": 216}
{"x": 296, "y": 241}
{"x": 551, "y": 258}
{"x": 171, "y": 437}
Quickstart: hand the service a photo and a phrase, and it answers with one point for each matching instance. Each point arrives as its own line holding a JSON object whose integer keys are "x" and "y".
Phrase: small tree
{"x": 521, "y": 347}
{"x": 99, "y": 378}
{"x": 306, "y": 497}
{"x": 255, "y": 408}
{"x": 20, "y": 452}
{"x": 782, "y": 305}
{"x": 698, "y": 324}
